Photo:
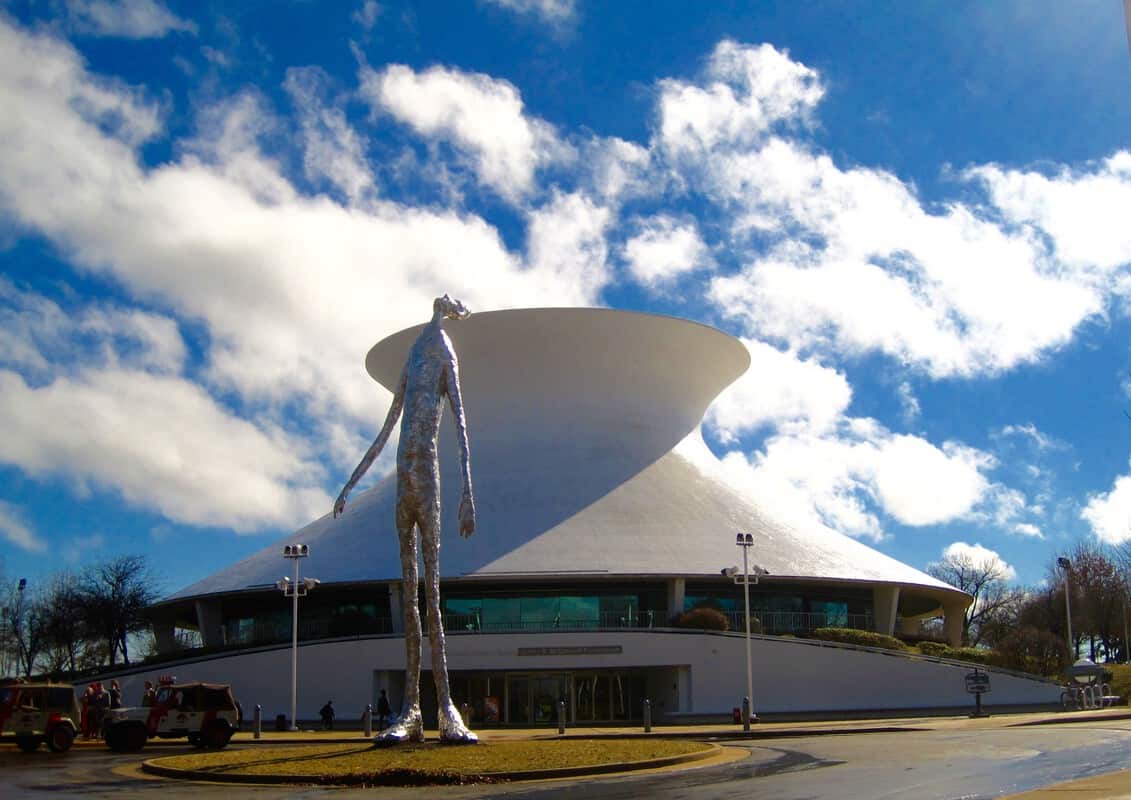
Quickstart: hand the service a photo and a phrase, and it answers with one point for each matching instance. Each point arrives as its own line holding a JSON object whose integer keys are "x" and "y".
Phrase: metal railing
{"x": 762, "y": 621}
{"x": 608, "y": 619}
{"x": 796, "y": 622}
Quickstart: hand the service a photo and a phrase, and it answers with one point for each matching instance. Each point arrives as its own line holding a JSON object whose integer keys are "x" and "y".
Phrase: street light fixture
{"x": 746, "y": 541}
{"x": 295, "y": 589}
{"x": 1066, "y": 565}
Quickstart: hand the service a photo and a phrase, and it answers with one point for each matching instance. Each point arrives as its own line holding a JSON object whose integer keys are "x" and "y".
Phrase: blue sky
{"x": 915, "y": 215}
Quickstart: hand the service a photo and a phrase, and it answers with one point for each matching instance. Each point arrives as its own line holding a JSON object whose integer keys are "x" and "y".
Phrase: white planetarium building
{"x": 602, "y": 517}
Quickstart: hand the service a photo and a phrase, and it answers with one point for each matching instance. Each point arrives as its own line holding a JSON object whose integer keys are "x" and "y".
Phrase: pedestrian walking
{"x": 115, "y": 695}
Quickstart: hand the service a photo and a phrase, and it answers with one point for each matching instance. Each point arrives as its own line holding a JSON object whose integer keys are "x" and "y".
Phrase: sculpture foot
{"x": 407, "y": 728}
{"x": 452, "y": 728}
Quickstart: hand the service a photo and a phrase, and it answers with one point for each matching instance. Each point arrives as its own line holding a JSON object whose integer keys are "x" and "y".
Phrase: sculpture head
{"x": 448, "y": 308}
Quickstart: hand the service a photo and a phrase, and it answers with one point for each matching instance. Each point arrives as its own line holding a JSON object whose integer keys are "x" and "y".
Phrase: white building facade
{"x": 602, "y": 517}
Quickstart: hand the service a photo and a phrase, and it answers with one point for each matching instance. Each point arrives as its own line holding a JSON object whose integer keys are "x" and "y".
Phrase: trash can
{"x": 280, "y": 722}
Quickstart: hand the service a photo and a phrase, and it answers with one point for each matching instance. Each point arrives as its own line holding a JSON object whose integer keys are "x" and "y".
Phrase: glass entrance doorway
{"x": 533, "y": 699}
{"x": 607, "y": 696}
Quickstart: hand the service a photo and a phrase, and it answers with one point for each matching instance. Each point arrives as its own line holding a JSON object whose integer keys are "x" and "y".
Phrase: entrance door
{"x": 607, "y": 696}
{"x": 533, "y": 699}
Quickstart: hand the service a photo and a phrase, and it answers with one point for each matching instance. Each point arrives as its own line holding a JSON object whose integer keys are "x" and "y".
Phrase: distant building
{"x": 602, "y": 518}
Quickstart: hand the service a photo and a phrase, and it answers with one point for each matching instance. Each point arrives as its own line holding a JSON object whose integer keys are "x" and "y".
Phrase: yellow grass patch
{"x": 352, "y": 763}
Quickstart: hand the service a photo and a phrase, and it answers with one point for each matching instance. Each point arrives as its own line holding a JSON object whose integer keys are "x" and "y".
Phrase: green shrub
{"x": 974, "y": 655}
{"x": 854, "y": 636}
{"x": 936, "y": 649}
{"x": 704, "y": 618}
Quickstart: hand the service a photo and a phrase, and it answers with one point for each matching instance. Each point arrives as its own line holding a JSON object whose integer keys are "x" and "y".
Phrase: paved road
{"x": 932, "y": 765}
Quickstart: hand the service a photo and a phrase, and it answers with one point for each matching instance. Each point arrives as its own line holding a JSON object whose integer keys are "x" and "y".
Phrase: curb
{"x": 1072, "y": 717}
{"x": 711, "y": 750}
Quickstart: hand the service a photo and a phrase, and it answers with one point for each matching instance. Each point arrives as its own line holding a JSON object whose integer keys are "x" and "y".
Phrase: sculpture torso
{"x": 426, "y": 375}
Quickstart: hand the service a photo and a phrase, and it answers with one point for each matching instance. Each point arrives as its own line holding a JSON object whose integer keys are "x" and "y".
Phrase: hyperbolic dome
{"x": 586, "y": 460}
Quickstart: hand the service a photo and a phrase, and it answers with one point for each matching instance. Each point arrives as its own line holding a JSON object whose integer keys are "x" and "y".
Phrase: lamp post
{"x": 1066, "y": 565}
{"x": 295, "y": 589}
{"x": 745, "y": 541}
{"x": 18, "y": 627}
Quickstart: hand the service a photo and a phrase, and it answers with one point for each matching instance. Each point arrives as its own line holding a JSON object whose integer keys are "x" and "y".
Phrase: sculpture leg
{"x": 409, "y": 726}
{"x": 452, "y": 727}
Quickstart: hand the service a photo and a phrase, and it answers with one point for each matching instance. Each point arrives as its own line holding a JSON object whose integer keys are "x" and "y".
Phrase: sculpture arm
{"x": 455, "y": 400}
{"x": 375, "y": 448}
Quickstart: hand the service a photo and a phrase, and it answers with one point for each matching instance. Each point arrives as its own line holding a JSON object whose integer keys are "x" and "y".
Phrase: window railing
{"x": 796, "y": 622}
{"x": 762, "y": 621}
{"x": 607, "y": 619}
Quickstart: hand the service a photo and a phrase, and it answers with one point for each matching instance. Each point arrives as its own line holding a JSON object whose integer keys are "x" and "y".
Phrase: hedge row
{"x": 854, "y": 636}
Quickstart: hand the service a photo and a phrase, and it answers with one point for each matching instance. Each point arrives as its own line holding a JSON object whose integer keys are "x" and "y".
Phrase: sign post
{"x": 977, "y": 683}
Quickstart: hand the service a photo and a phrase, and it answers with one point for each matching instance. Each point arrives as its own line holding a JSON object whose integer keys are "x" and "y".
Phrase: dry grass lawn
{"x": 431, "y": 762}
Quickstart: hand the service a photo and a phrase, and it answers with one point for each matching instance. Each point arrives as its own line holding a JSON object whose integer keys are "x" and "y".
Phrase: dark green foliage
{"x": 704, "y": 618}
{"x": 853, "y": 636}
{"x": 936, "y": 649}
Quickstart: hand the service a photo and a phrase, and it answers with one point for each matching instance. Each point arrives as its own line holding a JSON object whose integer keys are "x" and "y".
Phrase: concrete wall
{"x": 701, "y": 673}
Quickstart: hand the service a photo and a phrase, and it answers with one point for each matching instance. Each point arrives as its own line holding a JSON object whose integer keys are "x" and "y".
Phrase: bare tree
{"x": 1098, "y": 594}
{"x": 983, "y": 579}
{"x": 65, "y": 625}
{"x": 115, "y": 596}
{"x": 23, "y": 624}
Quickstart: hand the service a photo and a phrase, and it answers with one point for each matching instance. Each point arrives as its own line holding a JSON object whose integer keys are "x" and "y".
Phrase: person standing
{"x": 87, "y": 710}
{"x": 115, "y": 695}
{"x": 327, "y": 714}
{"x": 384, "y": 711}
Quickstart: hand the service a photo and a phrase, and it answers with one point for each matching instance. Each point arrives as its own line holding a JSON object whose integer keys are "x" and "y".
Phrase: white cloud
{"x": 293, "y": 290}
{"x": 780, "y": 390}
{"x": 554, "y": 12}
{"x": 979, "y": 555}
{"x": 1080, "y": 210}
{"x": 889, "y": 276}
{"x": 16, "y": 532}
{"x": 566, "y": 245}
{"x": 617, "y": 169}
{"x": 844, "y": 479}
{"x": 164, "y": 444}
{"x": 920, "y": 484}
{"x": 129, "y": 19}
{"x": 1029, "y": 431}
{"x": 333, "y": 149}
{"x": 290, "y": 290}
{"x": 1029, "y": 530}
{"x": 663, "y": 249}
{"x": 850, "y": 260}
{"x": 367, "y": 14}
{"x": 38, "y": 336}
{"x": 747, "y": 91}
{"x": 909, "y": 402}
{"x": 1109, "y": 513}
{"x": 480, "y": 116}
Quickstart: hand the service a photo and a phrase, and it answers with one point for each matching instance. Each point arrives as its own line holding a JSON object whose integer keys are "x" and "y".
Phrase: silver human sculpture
{"x": 430, "y": 373}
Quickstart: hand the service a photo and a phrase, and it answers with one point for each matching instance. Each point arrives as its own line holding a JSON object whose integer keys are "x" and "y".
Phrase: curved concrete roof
{"x": 574, "y": 417}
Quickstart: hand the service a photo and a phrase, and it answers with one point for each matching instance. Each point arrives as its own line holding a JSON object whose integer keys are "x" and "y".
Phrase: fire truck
{"x": 38, "y": 713}
{"x": 205, "y": 713}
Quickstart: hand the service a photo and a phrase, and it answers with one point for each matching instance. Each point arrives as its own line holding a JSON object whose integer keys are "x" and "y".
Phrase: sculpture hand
{"x": 466, "y": 515}
{"x": 340, "y": 505}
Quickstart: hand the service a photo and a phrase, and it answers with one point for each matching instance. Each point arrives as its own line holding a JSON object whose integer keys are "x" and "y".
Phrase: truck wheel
{"x": 217, "y": 735}
{"x": 59, "y": 738}
{"x": 194, "y": 739}
{"x": 29, "y": 744}
{"x": 134, "y": 738}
